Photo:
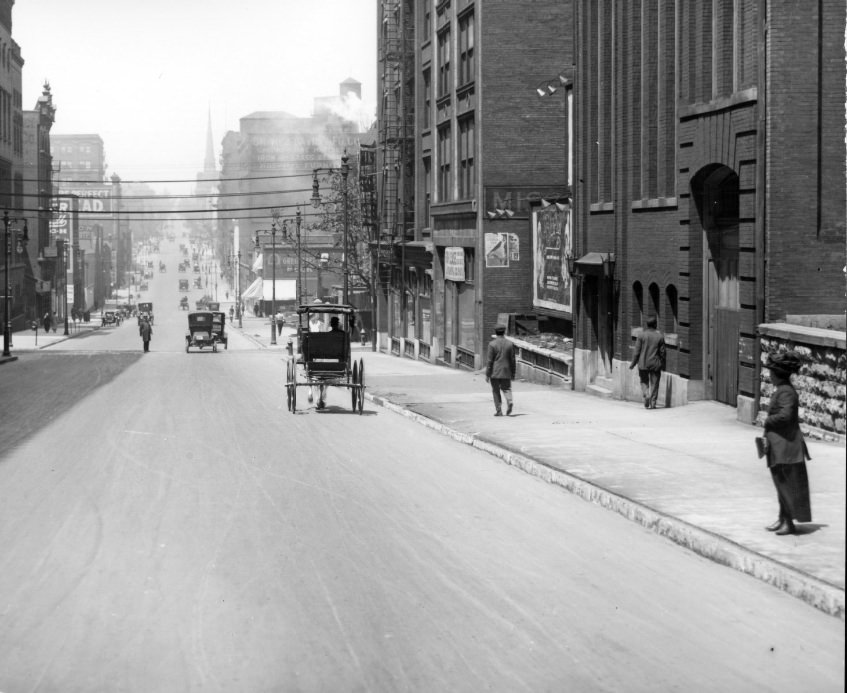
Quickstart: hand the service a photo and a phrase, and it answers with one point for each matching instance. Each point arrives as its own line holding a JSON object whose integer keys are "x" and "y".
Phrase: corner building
{"x": 710, "y": 185}
{"x": 485, "y": 150}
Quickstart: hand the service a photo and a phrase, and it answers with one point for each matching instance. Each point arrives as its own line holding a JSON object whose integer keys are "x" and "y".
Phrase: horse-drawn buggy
{"x": 324, "y": 359}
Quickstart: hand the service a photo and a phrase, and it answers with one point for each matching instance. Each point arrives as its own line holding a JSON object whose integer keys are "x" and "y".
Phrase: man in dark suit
{"x": 649, "y": 356}
{"x": 500, "y": 370}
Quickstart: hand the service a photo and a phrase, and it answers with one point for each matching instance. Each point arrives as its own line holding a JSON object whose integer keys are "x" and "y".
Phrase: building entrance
{"x": 715, "y": 191}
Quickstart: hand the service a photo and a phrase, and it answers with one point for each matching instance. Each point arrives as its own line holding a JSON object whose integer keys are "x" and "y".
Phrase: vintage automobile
{"x": 201, "y": 332}
{"x": 110, "y": 317}
{"x": 325, "y": 359}
{"x": 198, "y": 283}
{"x": 183, "y": 285}
{"x": 183, "y": 303}
{"x": 219, "y": 327}
{"x": 144, "y": 286}
{"x": 213, "y": 305}
{"x": 145, "y": 311}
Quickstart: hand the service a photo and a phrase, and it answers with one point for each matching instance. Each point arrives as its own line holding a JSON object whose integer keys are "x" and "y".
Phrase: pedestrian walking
{"x": 649, "y": 356}
{"x": 54, "y": 319}
{"x": 787, "y": 452}
{"x": 145, "y": 330}
{"x": 280, "y": 321}
{"x": 500, "y": 370}
{"x": 46, "y": 321}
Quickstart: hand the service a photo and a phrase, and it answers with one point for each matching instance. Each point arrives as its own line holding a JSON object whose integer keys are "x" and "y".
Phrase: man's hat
{"x": 500, "y": 329}
{"x": 787, "y": 362}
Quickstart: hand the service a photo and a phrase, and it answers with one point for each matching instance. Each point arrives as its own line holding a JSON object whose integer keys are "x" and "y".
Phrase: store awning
{"x": 286, "y": 289}
{"x": 593, "y": 263}
{"x": 257, "y": 263}
{"x": 253, "y": 292}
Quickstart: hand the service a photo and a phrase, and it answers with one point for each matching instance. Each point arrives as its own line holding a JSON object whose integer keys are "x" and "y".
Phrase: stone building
{"x": 38, "y": 195}
{"x": 19, "y": 281}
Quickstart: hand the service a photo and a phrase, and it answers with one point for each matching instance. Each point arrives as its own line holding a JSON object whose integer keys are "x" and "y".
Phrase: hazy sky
{"x": 144, "y": 75}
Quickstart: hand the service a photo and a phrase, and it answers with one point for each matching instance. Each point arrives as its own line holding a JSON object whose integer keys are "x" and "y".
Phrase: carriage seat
{"x": 325, "y": 346}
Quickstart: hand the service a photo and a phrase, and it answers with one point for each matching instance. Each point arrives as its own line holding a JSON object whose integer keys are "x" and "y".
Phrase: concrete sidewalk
{"x": 688, "y": 473}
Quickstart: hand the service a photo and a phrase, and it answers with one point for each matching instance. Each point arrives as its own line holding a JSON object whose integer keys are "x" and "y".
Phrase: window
{"x": 637, "y": 309}
{"x": 427, "y": 20}
{"x": 427, "y": 168}
{"x": 444, "y": 82}
{"x": 655, "y": 300}
{"x": 671, "y": 323}
{"x": 466, "y": 54}
{"x": 467, "y": 172}
{"x": 445, "y": 155}
{"x": 427, "y": 97}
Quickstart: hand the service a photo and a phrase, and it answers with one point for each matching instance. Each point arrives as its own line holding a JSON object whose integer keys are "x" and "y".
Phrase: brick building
{"x": 710, "y": 169}
{"x": 485, "y": 149}
{"x": 266, "y": 170}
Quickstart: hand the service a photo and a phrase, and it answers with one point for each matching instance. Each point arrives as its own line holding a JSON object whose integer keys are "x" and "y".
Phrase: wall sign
{"x": 454, "y": 264}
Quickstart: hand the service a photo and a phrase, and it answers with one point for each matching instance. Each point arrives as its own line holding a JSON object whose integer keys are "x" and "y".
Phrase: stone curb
{"x": 815, "y": 592}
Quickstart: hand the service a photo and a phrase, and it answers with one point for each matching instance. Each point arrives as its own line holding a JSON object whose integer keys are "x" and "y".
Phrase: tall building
{"x": 267, "y": 165}
{"x": 457, "y": 202}
{"x": 38, "y": 195}
{"x": 85, "y": 204}
{"x": 710, "y": 162}
{"x": 20, "y": 281}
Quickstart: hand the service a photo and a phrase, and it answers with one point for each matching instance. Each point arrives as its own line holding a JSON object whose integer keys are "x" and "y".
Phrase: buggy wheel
{"x": 354, "y": 390}
{"x": 361, "y": 385}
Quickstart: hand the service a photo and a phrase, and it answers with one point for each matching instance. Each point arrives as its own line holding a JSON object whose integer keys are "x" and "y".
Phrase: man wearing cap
{"x": 500, "y": 369}
{"x": 649, "y": 356}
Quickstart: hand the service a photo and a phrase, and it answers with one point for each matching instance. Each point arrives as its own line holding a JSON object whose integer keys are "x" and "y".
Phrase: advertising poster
{"x": 454, "y": 264}
{"x": 551, "y": 242}
{"x": 497, "y": 250}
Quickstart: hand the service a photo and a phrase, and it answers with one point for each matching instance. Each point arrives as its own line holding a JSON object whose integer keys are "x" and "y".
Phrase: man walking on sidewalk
{"x": 500, "y": 370}
{"x": 649, "y": 356}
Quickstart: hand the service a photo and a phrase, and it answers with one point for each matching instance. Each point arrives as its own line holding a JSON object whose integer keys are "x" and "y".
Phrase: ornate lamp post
{"x": 316, "y": 203}
{"x": 7, "y": 321}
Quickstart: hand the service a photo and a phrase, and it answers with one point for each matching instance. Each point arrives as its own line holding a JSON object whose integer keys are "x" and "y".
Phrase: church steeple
{"x": 209, "y": 165}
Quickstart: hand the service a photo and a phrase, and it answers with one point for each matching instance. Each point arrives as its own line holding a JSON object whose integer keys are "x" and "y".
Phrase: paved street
{"x": 169, "y": 526}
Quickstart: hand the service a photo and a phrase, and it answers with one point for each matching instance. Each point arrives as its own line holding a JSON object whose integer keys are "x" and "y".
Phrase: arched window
{"x": 671, "y": 313}
{"x": 655, "y": 301}
{"x": 637, "y": 308}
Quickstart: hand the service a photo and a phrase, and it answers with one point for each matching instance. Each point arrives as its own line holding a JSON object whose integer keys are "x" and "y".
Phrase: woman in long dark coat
{"x": 787, "y": 452}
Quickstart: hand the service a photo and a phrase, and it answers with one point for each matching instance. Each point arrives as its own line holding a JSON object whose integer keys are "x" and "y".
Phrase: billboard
{"x": 551, "y": 246}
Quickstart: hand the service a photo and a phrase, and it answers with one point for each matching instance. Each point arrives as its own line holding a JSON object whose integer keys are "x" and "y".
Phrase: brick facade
{"x": 726, "y": 207}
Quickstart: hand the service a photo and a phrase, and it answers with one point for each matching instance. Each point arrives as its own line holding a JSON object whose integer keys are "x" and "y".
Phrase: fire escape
{"x": 395, "y": 143}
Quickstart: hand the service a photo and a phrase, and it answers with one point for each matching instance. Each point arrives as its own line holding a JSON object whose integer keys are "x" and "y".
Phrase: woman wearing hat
{"x": 787, "y": 452}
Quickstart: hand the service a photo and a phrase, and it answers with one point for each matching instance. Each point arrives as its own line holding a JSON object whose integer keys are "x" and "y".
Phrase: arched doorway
{"x": 715, "y": 193}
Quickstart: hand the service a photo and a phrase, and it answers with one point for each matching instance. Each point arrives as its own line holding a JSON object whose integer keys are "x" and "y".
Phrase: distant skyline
{"x": 145, "y": 76}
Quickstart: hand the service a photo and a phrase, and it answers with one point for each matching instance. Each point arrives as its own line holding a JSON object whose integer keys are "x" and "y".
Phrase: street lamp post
{"x": 273, "y": 278}
{"x": 62, "y": 251}
{"x": 7, "y": 321}
{"x": 299, "y": 262}
{"x": 316, "y": 203}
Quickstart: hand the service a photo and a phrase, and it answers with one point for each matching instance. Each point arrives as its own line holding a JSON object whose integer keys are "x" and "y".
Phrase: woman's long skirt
{"x": 792, "y": 488}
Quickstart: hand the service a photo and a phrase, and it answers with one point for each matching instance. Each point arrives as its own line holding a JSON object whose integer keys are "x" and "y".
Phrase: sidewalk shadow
{"x": 809, "y": 527}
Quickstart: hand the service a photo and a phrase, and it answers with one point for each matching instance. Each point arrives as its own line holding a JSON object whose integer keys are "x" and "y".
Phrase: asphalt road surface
{"x": 167, "y": 525}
